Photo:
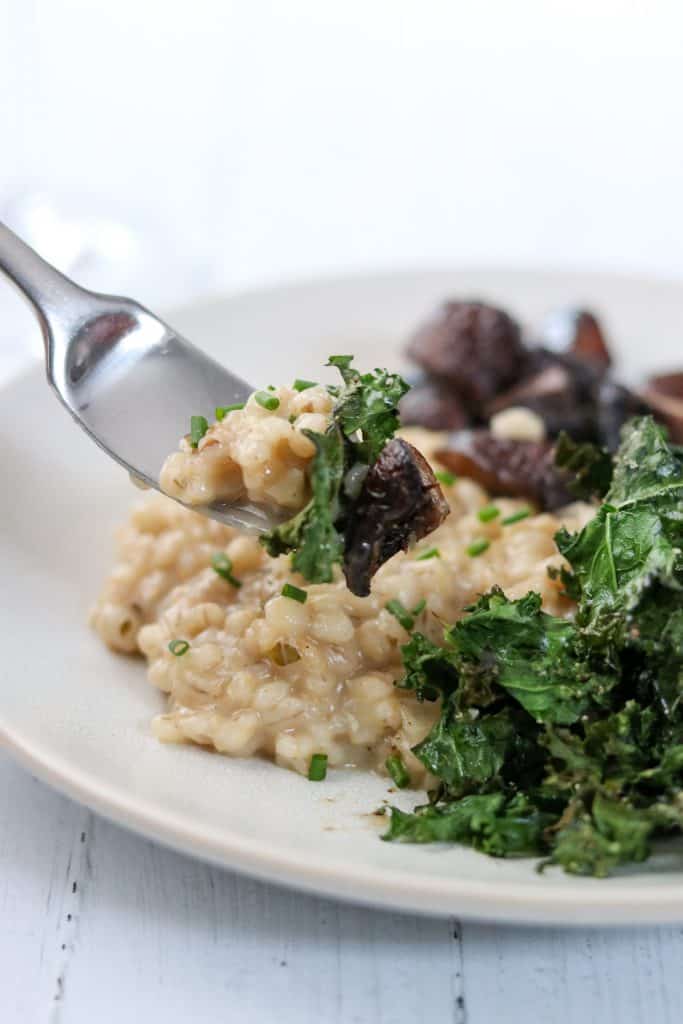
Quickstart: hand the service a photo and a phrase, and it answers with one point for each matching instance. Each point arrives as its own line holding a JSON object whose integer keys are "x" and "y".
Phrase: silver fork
{"x": 127, "y": 378}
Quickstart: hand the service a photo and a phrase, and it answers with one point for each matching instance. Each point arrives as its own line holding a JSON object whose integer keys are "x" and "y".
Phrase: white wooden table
{"x": 101, "y": 926}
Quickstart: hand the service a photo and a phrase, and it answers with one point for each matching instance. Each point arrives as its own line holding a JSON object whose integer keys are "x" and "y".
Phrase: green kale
{"x": 364, "y": 418}
{"x": 367, "y": 405}
{"x": 431, "y": 671}
{"x": 535, "y": 657}
{"x": 497, "y": 824}
{"x": 594, "y": 842}
{"x": 634, "y": 540}
{"x": 589, "y": 467}
{"x": 312, "y": 534}
{"x": 466, "y": 752}
{"x": 561, "y": 737}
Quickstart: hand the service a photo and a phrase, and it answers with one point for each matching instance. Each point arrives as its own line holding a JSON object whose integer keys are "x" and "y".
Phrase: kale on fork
{"x": 372, "y": 494}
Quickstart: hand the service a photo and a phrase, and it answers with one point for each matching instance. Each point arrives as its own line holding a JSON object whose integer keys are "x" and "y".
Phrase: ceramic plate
{"x": 78, "y": 717}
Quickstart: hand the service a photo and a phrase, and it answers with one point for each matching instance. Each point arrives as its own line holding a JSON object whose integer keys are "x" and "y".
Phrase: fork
{"x": 127, "y": 378}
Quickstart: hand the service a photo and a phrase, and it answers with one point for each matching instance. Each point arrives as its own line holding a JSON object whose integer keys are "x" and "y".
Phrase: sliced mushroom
{"x": 433, "y": 404}
{"x": 664, "y": 394}
{"x": 475, "y": 347}
{"x": 518, "y": 469}
{"x": 399, "y": 503}
{"x": 577, "y": 332}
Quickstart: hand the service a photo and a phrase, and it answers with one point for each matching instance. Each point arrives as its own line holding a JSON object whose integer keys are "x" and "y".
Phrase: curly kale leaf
{"x": 634, "y": 541}
{"x": 312, "y": 534}
{"x": 364, "y": 418}
{"x": 466, "y": 752}
{"x": 431, "y": 671}
{"x": 536, "y": 658}
{"x": 494, "y": 823}
{"x": 588, "y": 465}
{"x": 595, "y": 841}
{"x": 367, "y": 406}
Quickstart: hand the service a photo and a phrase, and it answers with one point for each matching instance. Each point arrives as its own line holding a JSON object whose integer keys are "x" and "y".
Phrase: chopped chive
{"x": 223, "y": 410}
{"x": 429, "y": 553}
{"x": 419, "y": 607}
{"x": 478, "y": 547}
{"x": 488, "y": 513}
{"x": 198, "y": 427}
{"x": 444, "y": 476}
{"x": 398, "y": 771}
{"x": 296, "y": 594}
{"x": 292, "y": 418}
{"x": 178, "y": 647}
{"x": 271, "y": 387}
{"x": 516, "y": 517}
{"x": 221, "y": 564}
{"x": 401, "y": 614}
{"x": 266, "y": 401}
{"x": 317, "y": 769}
{"x": 303, "y": 385}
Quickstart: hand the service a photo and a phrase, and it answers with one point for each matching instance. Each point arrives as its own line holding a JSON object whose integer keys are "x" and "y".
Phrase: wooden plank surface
{"x": 100, "y": 925}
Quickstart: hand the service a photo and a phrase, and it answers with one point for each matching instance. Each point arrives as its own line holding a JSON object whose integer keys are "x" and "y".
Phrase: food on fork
{"x": 329, "y": 455}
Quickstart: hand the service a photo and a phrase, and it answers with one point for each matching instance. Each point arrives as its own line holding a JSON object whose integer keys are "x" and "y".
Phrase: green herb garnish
{"x": 516, "y": 517}
{"x": 178, "y": 647}
{"x": 221, "y": 564}
{"x": 198, "y": 427}
{"x": 223, "y": 410}
{"x": 429, "y": 553}
{"x": 266, "y": 401}
{"x": 488, "y": 513}
{"x": 317, "y": 769}
{"x": 398, "y": 771}
{"x": 444, "y": 476}
{"x": 303, "y": 385}
{"x": 401, "y": 614}
{"x": 478, "y": 547}
{"x": 295, "y": 593}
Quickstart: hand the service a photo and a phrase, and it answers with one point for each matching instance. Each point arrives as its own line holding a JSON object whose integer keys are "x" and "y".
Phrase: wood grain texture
{"x": 100, "y": 925}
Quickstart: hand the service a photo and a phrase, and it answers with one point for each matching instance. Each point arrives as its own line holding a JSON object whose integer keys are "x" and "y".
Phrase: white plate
{"x": 78, "y": 716}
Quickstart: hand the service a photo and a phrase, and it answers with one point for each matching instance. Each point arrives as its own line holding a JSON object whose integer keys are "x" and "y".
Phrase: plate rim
{"x": 607, "y": 902}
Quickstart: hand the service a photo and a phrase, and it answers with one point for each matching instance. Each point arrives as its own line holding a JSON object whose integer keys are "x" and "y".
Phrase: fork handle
{"x": 56, "y": 300}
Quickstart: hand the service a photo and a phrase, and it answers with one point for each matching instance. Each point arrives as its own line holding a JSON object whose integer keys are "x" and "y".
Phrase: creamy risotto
{"x": 257, "y": 672}
{"x": 258, "y": 452}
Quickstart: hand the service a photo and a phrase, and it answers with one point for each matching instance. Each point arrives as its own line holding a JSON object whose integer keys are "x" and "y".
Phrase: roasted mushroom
{"x": 664, "y": 394}
{"x": 476, "y": 348}
{"x": 433, "y": 404}
{"x": 521, "y": 469}
{"x": 560, "y": 390}
{"x": 577, "y": 332}
{"x": 399, "y": 503}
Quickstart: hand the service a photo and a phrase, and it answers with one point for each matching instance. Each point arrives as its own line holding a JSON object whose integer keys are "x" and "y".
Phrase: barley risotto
{"x": 267, "y": 674}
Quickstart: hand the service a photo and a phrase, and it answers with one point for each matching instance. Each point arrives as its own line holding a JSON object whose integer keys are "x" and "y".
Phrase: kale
{"x": 367, "y": 405}
{"x": 562, "y": 738}
{"x": 312, "y": 535}
{"x": 588, "y": 466}
{"x": 536, "y": 658}
{"x": 494, "y": 823}
{"x": 364, "y": 419}
{"x": 634, "y": 540}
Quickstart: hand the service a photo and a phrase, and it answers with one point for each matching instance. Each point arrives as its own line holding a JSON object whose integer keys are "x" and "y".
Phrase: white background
{"x": 249, "y": 142}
